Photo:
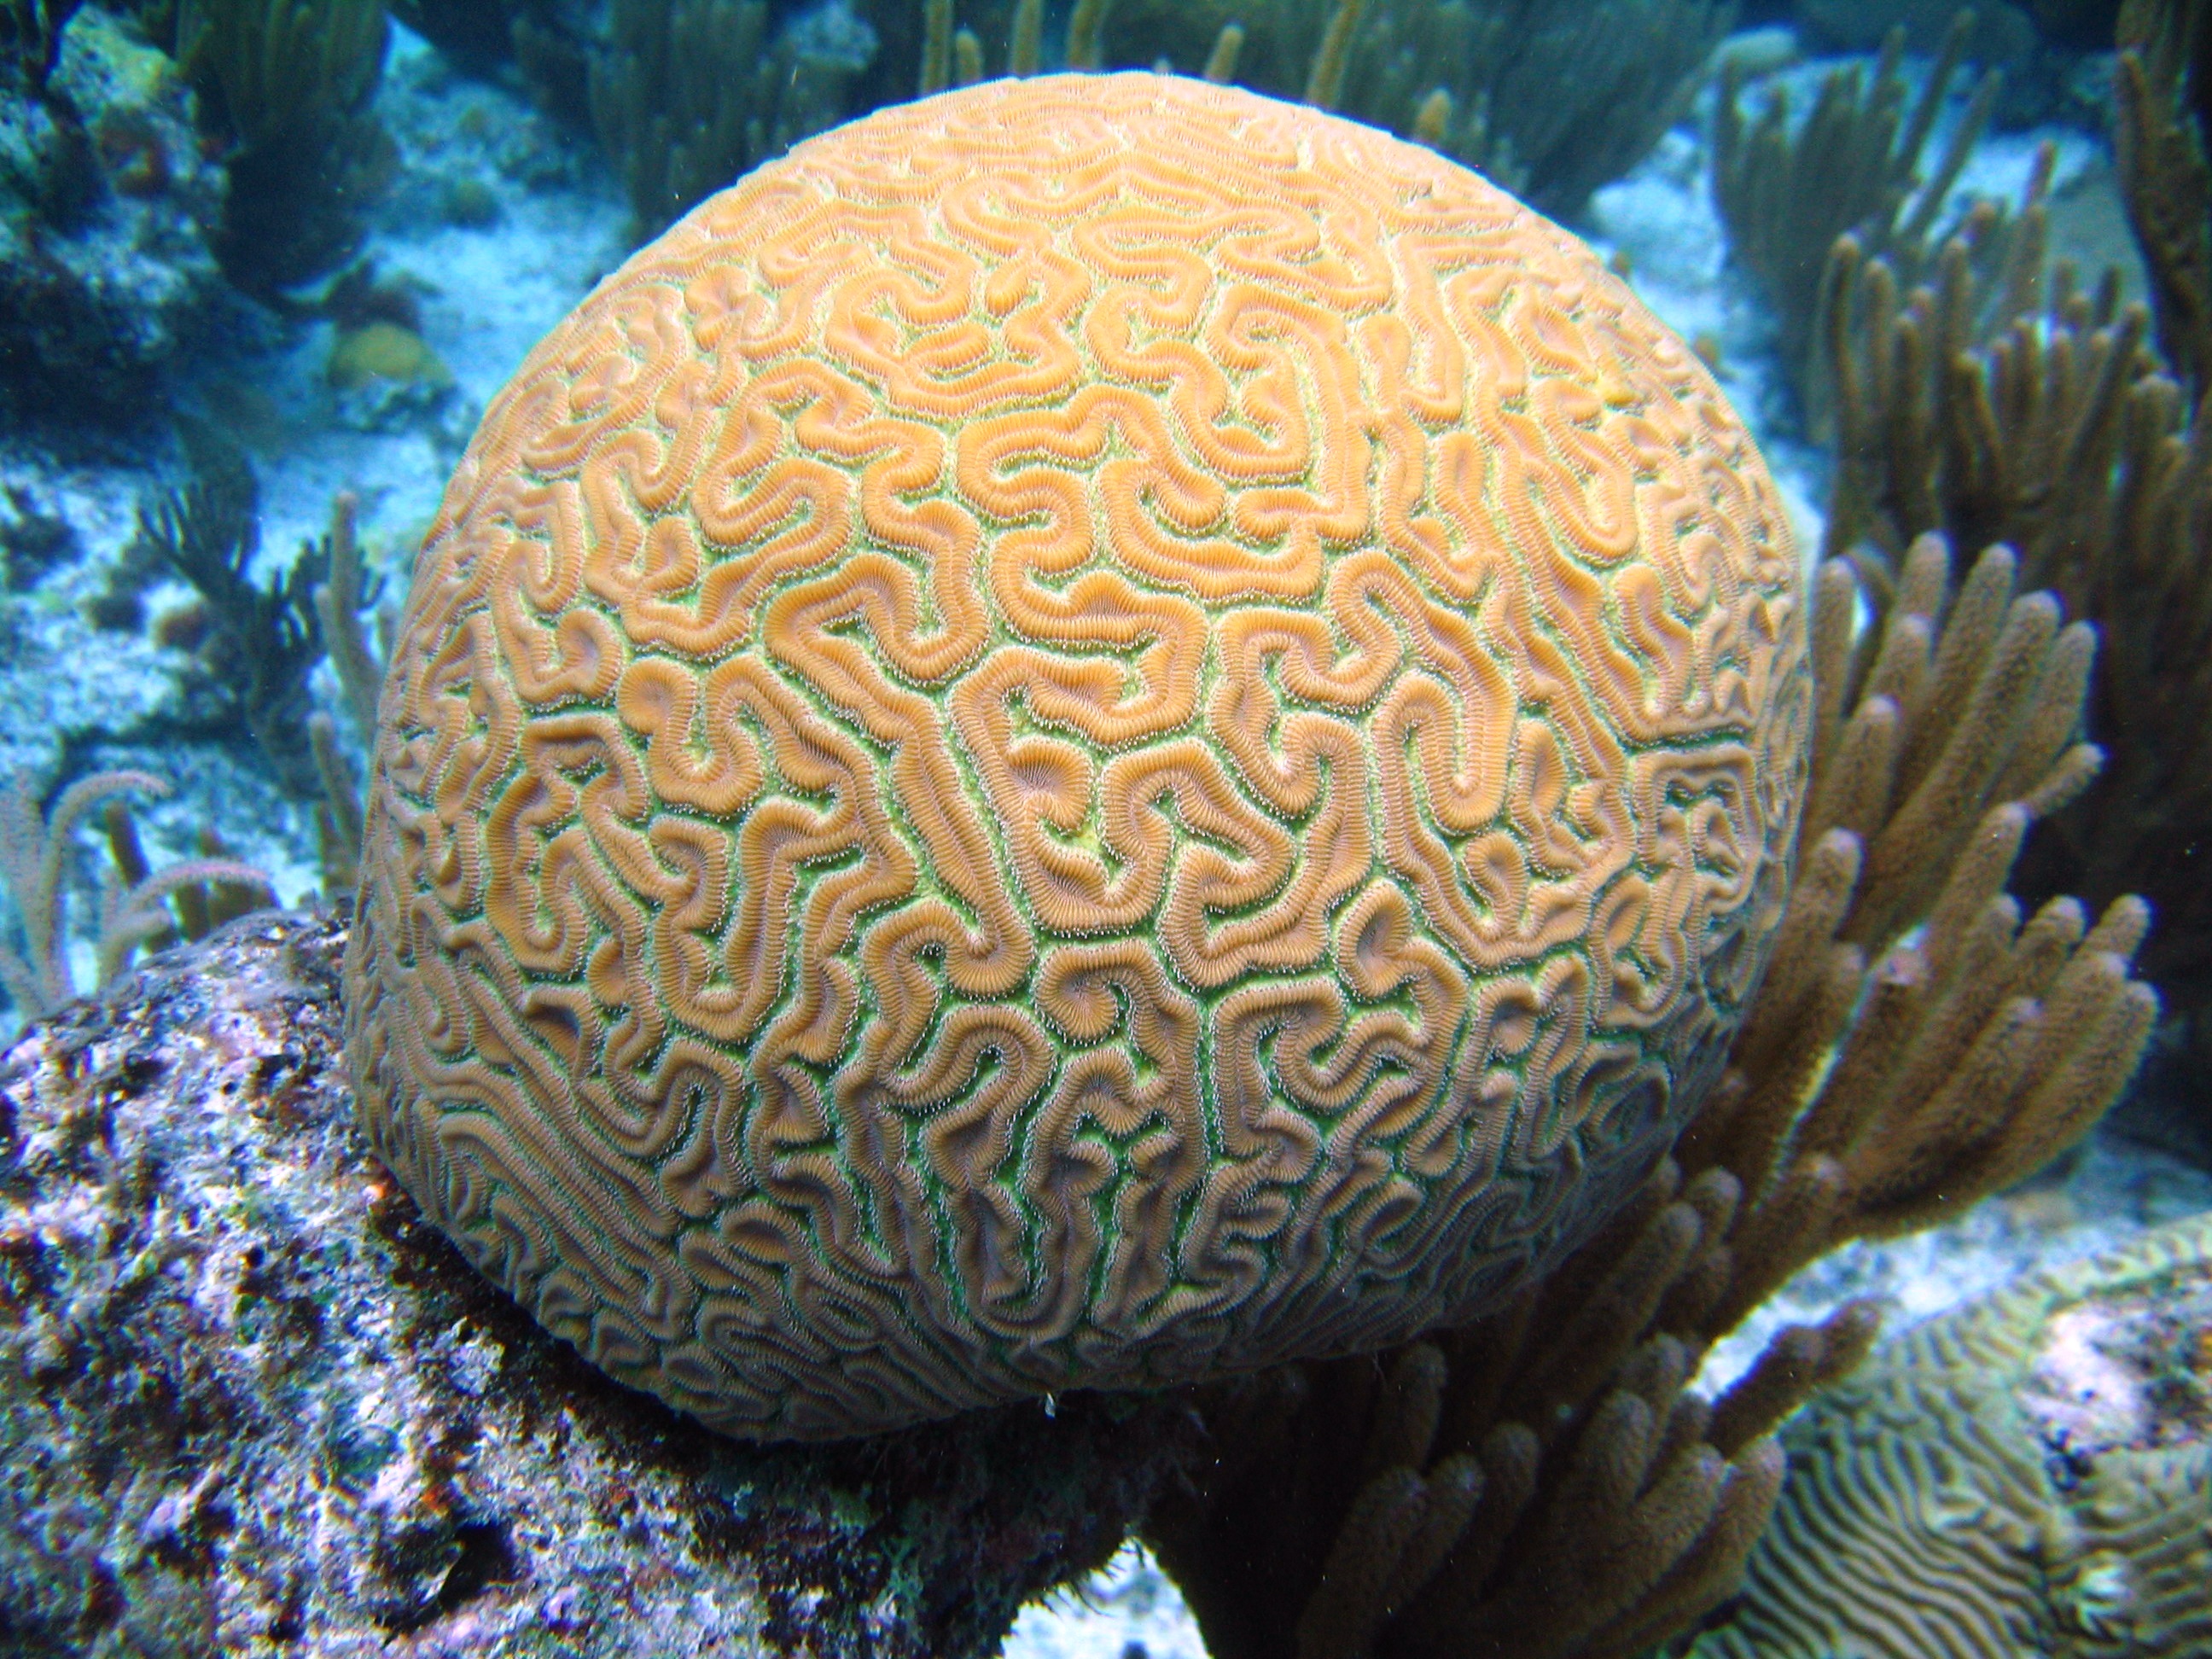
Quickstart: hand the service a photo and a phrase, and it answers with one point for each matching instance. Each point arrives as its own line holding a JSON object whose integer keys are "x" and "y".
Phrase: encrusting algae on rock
{"x": 251, "y": 1402}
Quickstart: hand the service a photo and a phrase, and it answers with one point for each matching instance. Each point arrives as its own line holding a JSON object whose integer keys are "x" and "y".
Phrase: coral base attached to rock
{"x": 251, "y": 1403}
{"x": 1097, "y": 732}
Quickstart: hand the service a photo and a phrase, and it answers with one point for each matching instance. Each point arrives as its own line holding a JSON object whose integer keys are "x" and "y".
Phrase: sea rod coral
{"x": 1097, "y": 732}
{"x": 1542, "y": 1482}
{"x": 2000, "y": 401}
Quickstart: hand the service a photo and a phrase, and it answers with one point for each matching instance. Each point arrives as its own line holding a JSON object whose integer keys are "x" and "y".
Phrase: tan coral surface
{"x": 1097, "y": 730}
{"x": 2031, "y": 1474}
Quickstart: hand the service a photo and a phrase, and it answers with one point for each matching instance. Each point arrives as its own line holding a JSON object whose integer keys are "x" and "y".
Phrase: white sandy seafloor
{"x": 489, "y": 292}
{"x": 1128, "y": 1609}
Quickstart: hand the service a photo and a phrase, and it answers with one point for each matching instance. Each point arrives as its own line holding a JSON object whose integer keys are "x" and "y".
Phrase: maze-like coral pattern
{"x": 2025, "y": 1475}
{"x": 1097, "y": 730}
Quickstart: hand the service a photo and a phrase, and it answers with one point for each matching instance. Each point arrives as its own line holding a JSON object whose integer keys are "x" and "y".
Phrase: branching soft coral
{"x": 1857, "y": 164}
{"x": 2012, "y": 406}
{"x": 1541, "y": 1483}
{"x": 34, "y": 853}
{"x": 286, "y": 87}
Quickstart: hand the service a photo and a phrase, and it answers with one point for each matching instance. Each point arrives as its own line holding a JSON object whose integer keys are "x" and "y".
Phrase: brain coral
{"x": 1096, "y": 731}
{"x": 2032, "y": 1474}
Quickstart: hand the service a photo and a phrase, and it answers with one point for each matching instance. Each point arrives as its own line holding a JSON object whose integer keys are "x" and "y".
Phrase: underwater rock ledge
{"x": 250, "y": 1401}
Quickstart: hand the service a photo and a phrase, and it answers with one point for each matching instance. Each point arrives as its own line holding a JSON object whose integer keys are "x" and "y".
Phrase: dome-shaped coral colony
{"x": 1097, "y": 730}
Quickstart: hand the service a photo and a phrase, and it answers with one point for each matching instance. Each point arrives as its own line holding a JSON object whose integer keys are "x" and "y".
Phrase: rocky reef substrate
{"x": 250, "y": 1402}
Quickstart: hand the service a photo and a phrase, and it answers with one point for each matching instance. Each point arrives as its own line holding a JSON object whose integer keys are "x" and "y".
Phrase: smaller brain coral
{"x": 2031, "y": 1474}
{"x": 1094, "y": 732}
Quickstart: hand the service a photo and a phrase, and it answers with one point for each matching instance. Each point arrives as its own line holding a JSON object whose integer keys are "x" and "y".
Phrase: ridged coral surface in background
{"x": 1097, "y": 730}
{"x": 2031, "y": 1474}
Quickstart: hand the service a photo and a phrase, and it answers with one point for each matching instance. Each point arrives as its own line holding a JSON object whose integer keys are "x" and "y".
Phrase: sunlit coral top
{"x": 1098, "y": 730}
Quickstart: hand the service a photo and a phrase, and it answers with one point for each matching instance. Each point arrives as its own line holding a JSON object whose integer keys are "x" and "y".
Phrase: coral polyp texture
{"x": 2026, "y": 1476}
{"x": 1095, "y": 732}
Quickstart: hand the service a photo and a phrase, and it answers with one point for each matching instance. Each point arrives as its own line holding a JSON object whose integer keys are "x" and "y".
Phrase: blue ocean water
{"x": 467, "y": 204}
